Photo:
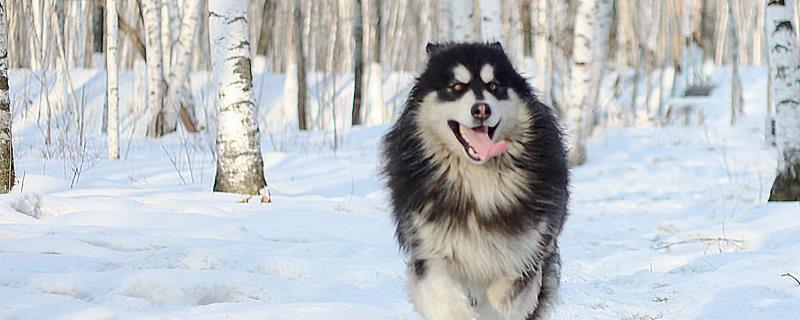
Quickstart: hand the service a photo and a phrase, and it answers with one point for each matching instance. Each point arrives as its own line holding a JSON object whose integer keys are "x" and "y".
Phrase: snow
{"x": 666, "y": 223}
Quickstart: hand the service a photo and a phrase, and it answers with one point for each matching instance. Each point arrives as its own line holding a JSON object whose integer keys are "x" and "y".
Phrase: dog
{"x": 478, "y": 179}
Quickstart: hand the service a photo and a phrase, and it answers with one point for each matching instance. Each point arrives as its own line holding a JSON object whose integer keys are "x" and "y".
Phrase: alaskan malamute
{"x": 478, "y": 178}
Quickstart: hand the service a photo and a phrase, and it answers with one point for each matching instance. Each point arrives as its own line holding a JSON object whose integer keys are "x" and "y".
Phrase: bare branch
{"x": 791, "y": 276}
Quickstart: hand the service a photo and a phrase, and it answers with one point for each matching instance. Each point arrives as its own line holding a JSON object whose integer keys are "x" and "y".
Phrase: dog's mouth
{"x": 477, "y": 141}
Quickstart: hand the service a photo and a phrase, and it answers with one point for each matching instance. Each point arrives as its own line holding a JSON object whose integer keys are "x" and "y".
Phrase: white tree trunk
{"x": 6, "y": 149}
{"x": 513, "y": 38}
{"x": 375, "y": 108}
{"x": 601, "y": 30}
{"x": 591, "y": 20}
{"x": 491, "y": 21}
{"x": 784, "y": 64}
{"x": 178, "y": 75}
{"x": 155, "y": 68}
{"x": 457, "y": 23}
{"x": 541, "y": 52}
{"x": 140, "y": 94}
{"x": 376, "y": 111}
{"x": 285, "y": 113}
{"x": 176, "y": 12}
{"x": 737, "y": 100}
{"x": 112, "y": 88}
{"x": 166, "y": 34}
{"x": 240, "y": 167}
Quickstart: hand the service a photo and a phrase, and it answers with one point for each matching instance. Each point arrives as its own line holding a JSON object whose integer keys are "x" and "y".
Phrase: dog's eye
{"x": 458, "y": 87}
{"x": 492, "y": 86}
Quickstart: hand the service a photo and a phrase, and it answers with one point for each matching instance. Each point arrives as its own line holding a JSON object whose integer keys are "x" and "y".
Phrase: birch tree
{"x": 287, "y": 114}
{"x": 472, "y": 20}
{"x": 511, "y": 22}
{"x": 375, "y": 108}
{"x": 6, "y": 149}
{"x": 491, "y": 23}
{"x": 457, "y": 22}
{"x": 540, "y": 48}
{"x": 592, "y": 20}
{"x": 167, "y": 12}
{"x": 358, "y": 61}
{"x": 240, "y": 167}
{"x": 737, "y": 101}
{"x": 179, "y": 72}
{"x": 784, "y": 65}
{"x": 157, "y": 118}
{"x": 112, "y": 88}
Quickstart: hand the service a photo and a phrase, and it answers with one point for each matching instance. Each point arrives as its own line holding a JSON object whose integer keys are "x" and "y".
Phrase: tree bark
{"x": 527, "y": 28}
{"x": 541, "y": 50}
{"x": 97, "y": 27}
{"x": 112, "y": 87}
{"x": 179, "y": 73}
{"x": 736, "y": 82}
{"x": 166, "y": 34}
{"x": 784, "y": 64}
{"x": 375, "y": 107}
{"x": 601, "y": 28}
{"x": 158, "y": 117}
{"x": 6, "y": 148}
{"x": 358, "y": 62}
{"x": 300, "y": 60}
{"x": 593, "y": 18}
{"x": 459, "y": 22}
{"x": 240, "y": 167}
{"x": 491, "y": 23}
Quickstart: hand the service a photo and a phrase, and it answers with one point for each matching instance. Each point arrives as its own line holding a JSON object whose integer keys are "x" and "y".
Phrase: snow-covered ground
{"x": 666, "y": 223}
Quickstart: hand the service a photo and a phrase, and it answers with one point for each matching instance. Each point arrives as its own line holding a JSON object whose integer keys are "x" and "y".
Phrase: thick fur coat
{"x": 479, "y": 229}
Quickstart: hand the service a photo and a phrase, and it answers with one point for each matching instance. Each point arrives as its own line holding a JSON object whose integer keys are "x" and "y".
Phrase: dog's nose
{"x": 481, "y": 111}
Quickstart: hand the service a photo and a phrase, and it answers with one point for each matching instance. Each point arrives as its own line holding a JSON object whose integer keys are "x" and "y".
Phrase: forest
{"x": 208, "y": 159}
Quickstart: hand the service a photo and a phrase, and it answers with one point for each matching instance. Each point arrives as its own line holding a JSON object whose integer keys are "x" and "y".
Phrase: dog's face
{"x": 468, "y": 103}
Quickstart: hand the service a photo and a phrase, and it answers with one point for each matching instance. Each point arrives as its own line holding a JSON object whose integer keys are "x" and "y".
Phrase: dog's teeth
{"x": 472, "y": 151}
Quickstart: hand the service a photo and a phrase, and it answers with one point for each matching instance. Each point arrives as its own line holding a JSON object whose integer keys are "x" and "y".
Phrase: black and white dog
{"x": 478, "y": 179}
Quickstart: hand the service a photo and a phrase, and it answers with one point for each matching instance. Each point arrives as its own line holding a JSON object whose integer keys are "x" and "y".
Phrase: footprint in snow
{"x": 122, "y": 245}
{"x": 161, "y": 290}
{"x": 292, "y": 270}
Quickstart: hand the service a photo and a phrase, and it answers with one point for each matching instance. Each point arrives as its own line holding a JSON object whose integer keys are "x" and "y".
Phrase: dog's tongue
{"x": 479, "y": 139}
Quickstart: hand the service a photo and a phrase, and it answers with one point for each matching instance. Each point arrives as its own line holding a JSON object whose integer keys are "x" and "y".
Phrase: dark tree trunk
{"x": 301, "y": 67}
{"x": 99, "y": 22}
{"x": 786, "y": 186}
{"x": 267, "y": 24}
{"x": 376, "y": 45}
{"x": 527, "y": 31}
{"x": 709, "y": 20}
{"x": 358, "y": 57}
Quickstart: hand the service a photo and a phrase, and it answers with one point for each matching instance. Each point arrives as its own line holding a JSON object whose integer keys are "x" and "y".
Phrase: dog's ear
{"x": 432, "y": 48}
{"x": 496, "y": 45}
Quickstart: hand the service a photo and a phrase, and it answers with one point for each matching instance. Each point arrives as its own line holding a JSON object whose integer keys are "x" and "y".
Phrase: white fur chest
{"x": 477, "y": 254}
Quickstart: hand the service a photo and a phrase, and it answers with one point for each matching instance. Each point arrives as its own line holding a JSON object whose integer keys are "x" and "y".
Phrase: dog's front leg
{"x": 436, "y": 294}
{"x": 515, "y": 299}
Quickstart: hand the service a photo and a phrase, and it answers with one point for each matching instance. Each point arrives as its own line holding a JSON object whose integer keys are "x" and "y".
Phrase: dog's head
{"x": 468, "y": 99}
